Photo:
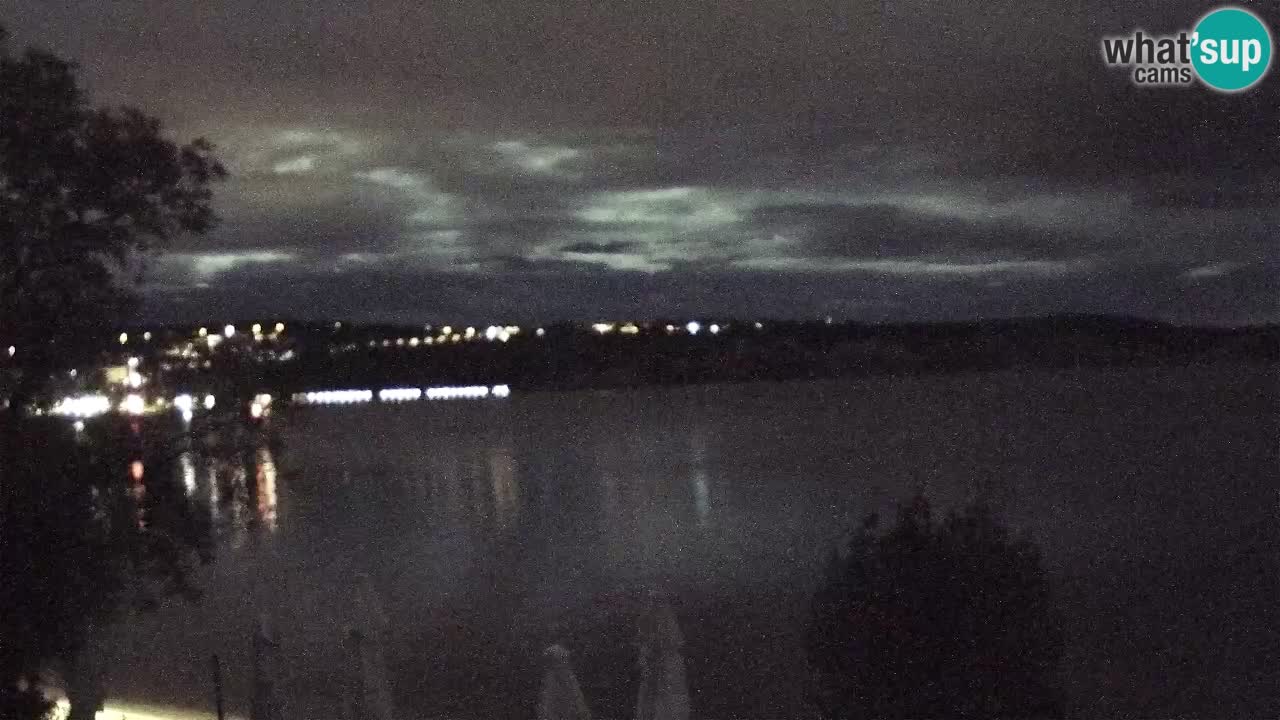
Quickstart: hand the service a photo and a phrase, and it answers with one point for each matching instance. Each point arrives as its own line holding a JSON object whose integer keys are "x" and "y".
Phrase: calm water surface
{"x": 493, "y": 528}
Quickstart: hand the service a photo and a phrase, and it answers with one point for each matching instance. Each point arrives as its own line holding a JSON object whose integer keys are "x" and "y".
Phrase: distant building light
{"x": 715, "y": 329}
{"x": 471, "y": 332}
{"x": 630, "y": 329}
{"x": 135, "y": 379}
{"x": 263, "y": 399}
{"x": 759, "y": 326}
{"x": 213, "y": 341}
{"x": 78, "y": 425}
{"x": 133, "y": 404}
{"x": 541, "y": 332}
{"x": 693, "y": 327}
{"x": 124, "y": 338}
{"x": 491, "y": 333}
{"x": 827, "y": 320}
{"x": 429, "y": 340}
{"x": 671, "y": 329}
{"x": 413, "y": 342}
{"x": 203, "y": 332}
{"x": 386, "y": 342}
{"x": 451, "y": 393}
{"x": 337, "y": 326}
{"x": 446, "y": 330}
{"x": 209, "y": 402}
{"x": 12, "y": 351}
{"x": 399, "y": 394}
{"x": 603, "y": 328}
{"x": 229, "y": 331}
{"x": 255, "y": 411}
{"x": 334, "y": 397}
{"x": 82, "y": 406}
{"x": 257, "y": 328}
{"x": 400, "y": 342}
{"x": 279, "y": 327}
{"x": 147, "y": 336}
{"x": 455, "y": 337}
{"x": 133, "y": 362}
{"x": 501, "y": 391}
{"x": 504, "y": 336}
{"x": 183, "y": 401}
{"x": 187, "y": 415}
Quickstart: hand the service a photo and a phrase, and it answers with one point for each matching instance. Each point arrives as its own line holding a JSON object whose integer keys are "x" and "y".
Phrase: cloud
{"x": 297, "y": 165}
{"x": 1211, "y": 271}
{"x": 679, "y": 208}
{"x": 202, "y": 267}
{"x": 545, "y": 160}
{"x": 912, "y": 147}
{"x": 935, "y": 268}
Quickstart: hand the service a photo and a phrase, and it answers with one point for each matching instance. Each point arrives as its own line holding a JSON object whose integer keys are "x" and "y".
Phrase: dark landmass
{"x": 318, "y": 356}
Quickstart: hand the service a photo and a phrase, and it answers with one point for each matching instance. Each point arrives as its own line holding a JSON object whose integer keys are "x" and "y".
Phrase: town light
{"x": 133, "y": 404}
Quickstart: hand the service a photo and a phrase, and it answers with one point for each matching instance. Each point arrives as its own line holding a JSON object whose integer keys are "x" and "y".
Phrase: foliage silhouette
{"x": 936, "y": 619}
{"x": 80, "y": 543}
{"x": 85, "y": 193}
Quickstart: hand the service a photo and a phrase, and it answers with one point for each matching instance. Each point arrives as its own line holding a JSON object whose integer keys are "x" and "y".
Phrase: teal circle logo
{"x": 1231, "y": 49}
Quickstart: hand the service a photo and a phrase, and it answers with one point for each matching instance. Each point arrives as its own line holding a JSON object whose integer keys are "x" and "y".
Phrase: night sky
{"x": 536, "y": 159}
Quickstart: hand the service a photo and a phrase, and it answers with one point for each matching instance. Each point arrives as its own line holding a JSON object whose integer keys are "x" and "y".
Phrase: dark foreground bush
{"x": 936, "y": 619}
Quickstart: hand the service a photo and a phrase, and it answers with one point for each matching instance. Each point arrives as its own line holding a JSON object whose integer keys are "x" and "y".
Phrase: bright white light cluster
{"x": 399, "y": 394}
{"x": 83, "y": 406}
{"x": 184, "y": 403}
{"x": 448, "y": 392}
{"x": 451, "y": 393}
{"x": 337, "y": 397}
{"x": 133, "y": 404}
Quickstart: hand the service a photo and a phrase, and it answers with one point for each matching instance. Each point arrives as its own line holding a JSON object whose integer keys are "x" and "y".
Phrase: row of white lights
{"x": 87, "y": 406}
{"x": 347, "y": 397}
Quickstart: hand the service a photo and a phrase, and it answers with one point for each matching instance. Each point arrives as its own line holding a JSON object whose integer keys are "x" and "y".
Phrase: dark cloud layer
{"x": 910, "y": 158}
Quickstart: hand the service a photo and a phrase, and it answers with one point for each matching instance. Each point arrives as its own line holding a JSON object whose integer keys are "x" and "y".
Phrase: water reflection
{"x": 698, "y": 476}
{"x": 266, "y": 488}
{"x": 240, "y": 489}
{"x": 506, "y": 494}
{"x": 187, "y": 466}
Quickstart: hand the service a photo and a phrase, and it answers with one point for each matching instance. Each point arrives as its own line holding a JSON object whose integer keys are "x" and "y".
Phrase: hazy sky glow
{"x": 574, "y": 159}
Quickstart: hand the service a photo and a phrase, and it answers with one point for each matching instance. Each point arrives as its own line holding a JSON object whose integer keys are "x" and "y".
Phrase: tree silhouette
{"x": 84, "y": 531}
{"x": 84, "y": 193}
{"x": 936, "y": 619}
